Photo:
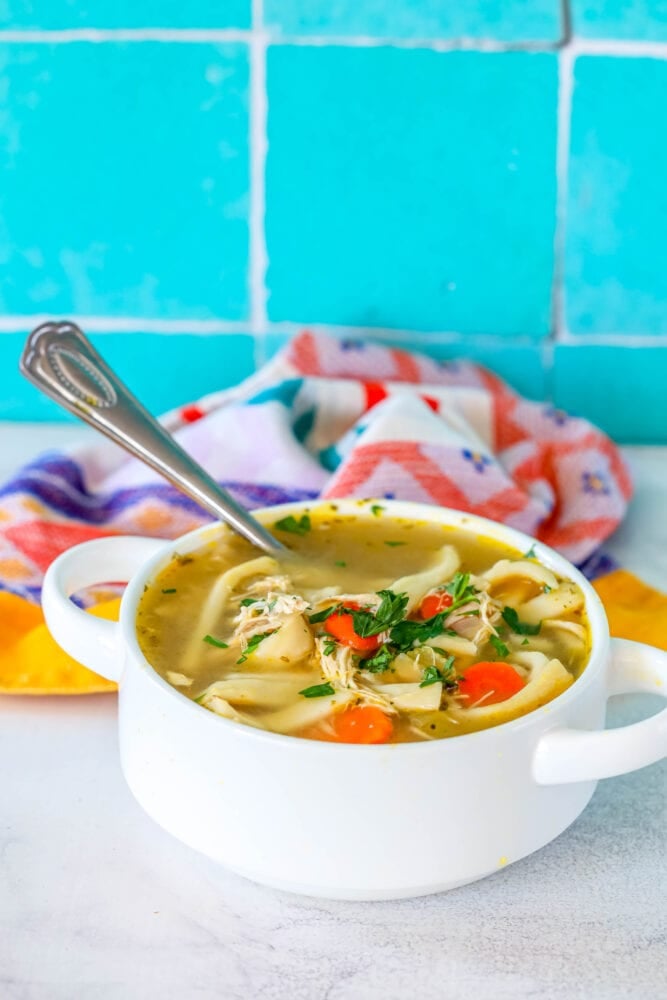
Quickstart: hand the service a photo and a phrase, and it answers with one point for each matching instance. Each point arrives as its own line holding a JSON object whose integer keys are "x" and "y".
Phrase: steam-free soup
{"x": 388, "y": 630}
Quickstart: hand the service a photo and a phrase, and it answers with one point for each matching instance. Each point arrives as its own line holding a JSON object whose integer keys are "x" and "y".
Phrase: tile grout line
{"x": 578, "y": 45}
{"x": 422, "y": 338}
{"x": 258, "y": 260}
{"x": 566, "y": 59}
{"x": 126, "y": 324}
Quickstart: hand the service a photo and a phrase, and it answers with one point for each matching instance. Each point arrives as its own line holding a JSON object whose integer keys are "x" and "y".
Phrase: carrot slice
{"x": 341, "y": 626}
{"x": 489, "y": 682}
{"x": 433, "y": 604}
{"x": 365, "y": 724}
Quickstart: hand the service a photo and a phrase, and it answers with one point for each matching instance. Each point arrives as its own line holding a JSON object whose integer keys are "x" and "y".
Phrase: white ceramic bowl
{"x": 344, "y": 821}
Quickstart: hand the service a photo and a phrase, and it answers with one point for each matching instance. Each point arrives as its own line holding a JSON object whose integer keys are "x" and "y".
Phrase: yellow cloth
{"x": 32, "y": 663}
{"x": 635, "y": 610}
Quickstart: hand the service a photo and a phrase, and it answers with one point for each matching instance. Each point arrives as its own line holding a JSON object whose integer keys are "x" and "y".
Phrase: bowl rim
{"x": 513, "y": 537}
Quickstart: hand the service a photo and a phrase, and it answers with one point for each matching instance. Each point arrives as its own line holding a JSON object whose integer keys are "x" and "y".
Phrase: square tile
{"x": 617, "y": 201}
{"x": 621, "y": 389}
{"x": 124, "y": 179}
{"x": 63, "y": 14}
{"x": 163, "y": 370}
{"x": 506, "y": 20}
{"x": 411, "y": 189}
{"x": 639, "y": 20}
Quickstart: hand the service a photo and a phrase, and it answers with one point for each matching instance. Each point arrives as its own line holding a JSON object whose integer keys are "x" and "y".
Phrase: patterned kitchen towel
{"x": 324, "y": 418}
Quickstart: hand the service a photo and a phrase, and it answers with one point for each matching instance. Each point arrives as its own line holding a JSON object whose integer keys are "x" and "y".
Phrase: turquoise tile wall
{"x": 621, "y": 388}
{"x": 635, "y": 20}
{"x": 511, "y": 20}
{"x": 64, "y": 14}
{"x": 163, "y": 369}
{"x": 617, "y": 202}
{"x": 120, "y": 164}
{"x": 372, "y": 168}
{"x": 194, "y": 182}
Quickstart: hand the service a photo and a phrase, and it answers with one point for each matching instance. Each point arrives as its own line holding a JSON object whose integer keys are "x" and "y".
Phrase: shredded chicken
{"x": 267, "y": 614}
{"x": 340, "y": 669}
{"x": 476, "y": 620}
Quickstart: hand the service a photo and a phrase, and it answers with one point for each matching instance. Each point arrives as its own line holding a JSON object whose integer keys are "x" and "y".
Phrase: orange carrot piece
{"x": 490, "y": 682}
{"x": 341, "y": 627}
{"x": 433, "y": 604}
{"x": 365, "y": 724}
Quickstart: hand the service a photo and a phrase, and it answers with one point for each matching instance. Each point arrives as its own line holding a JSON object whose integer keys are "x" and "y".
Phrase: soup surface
{"x": 388, "y": 630}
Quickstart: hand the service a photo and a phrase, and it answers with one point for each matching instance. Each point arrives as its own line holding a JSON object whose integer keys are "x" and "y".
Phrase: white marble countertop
{"x": 98, "y": 903}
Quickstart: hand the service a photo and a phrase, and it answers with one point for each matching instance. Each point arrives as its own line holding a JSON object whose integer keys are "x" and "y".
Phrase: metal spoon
{"x": 60, "y": 360}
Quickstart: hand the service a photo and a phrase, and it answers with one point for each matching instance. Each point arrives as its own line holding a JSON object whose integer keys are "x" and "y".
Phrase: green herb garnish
{"x": 340, "y": 562}
{"x": 432, "y": 674}
{"x": 376, "y": 509}
{"x": 546, "y": 588}
{"x": 318, "y": 690}
{"x": 253, "y": 643}
{"x": 393, "y": 544}
{"x": 218, "y": 643}
{"x": 329, "y": 646}
{"x": 321, "y": 616}
{"x": 247, "y": 601}
{"x": 530, "y": 554}
{"x": 380, "y": 662}
{"x": 169, "y": 590}
{"x": 406, "y": 634}
{"x": 461, "y": 590}
{"x": 525, "y": 642}
{"x": 521, "y": 628}
{"x": 290, "y": 523}
{"x": 389, "y": 613}
{"x": 499, "y": 646}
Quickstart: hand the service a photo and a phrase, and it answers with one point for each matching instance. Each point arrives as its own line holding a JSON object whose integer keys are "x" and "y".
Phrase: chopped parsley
{"x": 461, "y": 590}
{"x": 329, "y": 646}
{"x": 291, "y": 524}
{"x": 169, "y": 590}
{"x": 380, "y": 662}
{"x": 525, "y": 642}
{"x": 376, "y": 509}
{"x": 389, "y": 613}
{"x": 393, "y": 544}
{"x": 521, "y": 628}
{"x": 247, "y": 601}
{"x": 432, "y": 674}
{"x": 253, "y": 643}
{"x": 407, "y": 633}
{"x": 321, "y": 616}
{"x": 530, "y": 554}
{"x": 546, "y": 588}
{"x": 318, "y": 690}
{"x": 340, "y": 562}
{"x": 218, "y": 643}
{"x": 499, "y": 646}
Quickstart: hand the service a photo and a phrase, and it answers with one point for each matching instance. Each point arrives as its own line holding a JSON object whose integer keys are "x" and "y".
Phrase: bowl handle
{"x": 567, "y": 755}
{"x": 92, "y": 641}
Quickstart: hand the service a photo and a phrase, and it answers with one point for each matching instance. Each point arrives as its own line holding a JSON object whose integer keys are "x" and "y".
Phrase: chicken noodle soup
{"x": 388, "y": 630}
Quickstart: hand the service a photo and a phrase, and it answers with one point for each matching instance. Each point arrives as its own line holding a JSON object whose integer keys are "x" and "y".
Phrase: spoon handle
{"x": 64, "y": 365}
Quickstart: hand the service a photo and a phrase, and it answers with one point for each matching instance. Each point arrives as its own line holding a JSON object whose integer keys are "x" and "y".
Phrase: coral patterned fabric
{"x": 334, "y": 418}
